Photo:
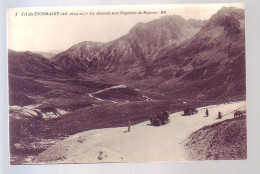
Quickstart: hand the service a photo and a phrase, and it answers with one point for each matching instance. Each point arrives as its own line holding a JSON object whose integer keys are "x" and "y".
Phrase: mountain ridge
{"x": 136, "y": 47}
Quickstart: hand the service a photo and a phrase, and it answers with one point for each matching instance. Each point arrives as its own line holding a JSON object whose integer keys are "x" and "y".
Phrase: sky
{"x": 49, "y": 33}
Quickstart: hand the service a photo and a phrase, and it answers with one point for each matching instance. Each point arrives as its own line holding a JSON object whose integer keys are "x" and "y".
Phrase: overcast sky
{"x": 47, "y": 33}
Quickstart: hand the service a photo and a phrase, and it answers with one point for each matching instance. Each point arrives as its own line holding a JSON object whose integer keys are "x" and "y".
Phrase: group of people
{"x": 238, "y": 114}
{"x": 219, "y": 114}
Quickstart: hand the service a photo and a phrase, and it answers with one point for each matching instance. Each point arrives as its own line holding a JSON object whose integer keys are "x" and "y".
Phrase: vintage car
{"x": 160, "y": 119}
{"x": 238, "y": 114}
{"x": 190, "y": 111}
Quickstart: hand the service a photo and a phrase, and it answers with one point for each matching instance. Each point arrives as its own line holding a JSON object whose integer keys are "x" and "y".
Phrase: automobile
{"x": 190, "y": 111}
{"x": 160, "y": 119}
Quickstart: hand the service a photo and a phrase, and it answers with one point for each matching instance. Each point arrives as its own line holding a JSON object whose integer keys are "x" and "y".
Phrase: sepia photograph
{"x": 133, "y": 83}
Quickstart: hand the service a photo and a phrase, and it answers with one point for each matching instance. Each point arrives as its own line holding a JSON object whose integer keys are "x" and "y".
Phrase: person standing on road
{"x": 129, "y": 125}
{"x": 207, "y": 112}
{"x": 219, "y": 115}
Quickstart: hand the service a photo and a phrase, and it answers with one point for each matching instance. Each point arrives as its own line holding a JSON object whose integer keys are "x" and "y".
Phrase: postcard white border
{"x": 251, "y": 165}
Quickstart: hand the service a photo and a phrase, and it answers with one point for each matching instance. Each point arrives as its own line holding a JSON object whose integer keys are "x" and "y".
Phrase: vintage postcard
{"x": 127, "y": 83}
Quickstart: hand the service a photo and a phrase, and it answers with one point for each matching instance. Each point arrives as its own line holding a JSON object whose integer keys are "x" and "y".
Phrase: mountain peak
{"x": 227, "y": 17}
{"x": 164, "y": 20}
{"x": 85, "y": 44}
{"x": 228, "y": 10}
{"x": 233, "y": 12}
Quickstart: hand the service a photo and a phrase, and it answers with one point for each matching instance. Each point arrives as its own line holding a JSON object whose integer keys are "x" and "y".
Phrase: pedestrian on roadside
{"x": 219, "y": 115}
{"x": 129, "y": 125}
{"x": 207, "y": 112}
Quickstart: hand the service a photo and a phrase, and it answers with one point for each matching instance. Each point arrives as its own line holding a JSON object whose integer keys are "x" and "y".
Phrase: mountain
{"x": 166, "y": 58}
{"x": 184, "y": 58}
{"x": 79, "y": 57}
{"x": 24, "y": 68}
{"x": 28, "y": 63}
{"x": 211, "y": 65}
{"x": 141, "y": 45}
{"x": 33, "y": 79}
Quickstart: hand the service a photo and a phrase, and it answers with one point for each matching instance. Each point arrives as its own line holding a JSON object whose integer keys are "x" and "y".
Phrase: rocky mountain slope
{"x": 211, "y": 65}
{"x": 220, "y": 141}
{"x": 141, "y": 45}
{"x": 171, "y": 55}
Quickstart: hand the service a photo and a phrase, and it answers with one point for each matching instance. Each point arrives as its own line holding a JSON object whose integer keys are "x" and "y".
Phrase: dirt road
{"x": 144, "y": 143}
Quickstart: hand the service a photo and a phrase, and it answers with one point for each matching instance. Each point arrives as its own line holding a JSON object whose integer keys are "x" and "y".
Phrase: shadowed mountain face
{"x": 28, "y": 63}
{"x": 27, "y": 71}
